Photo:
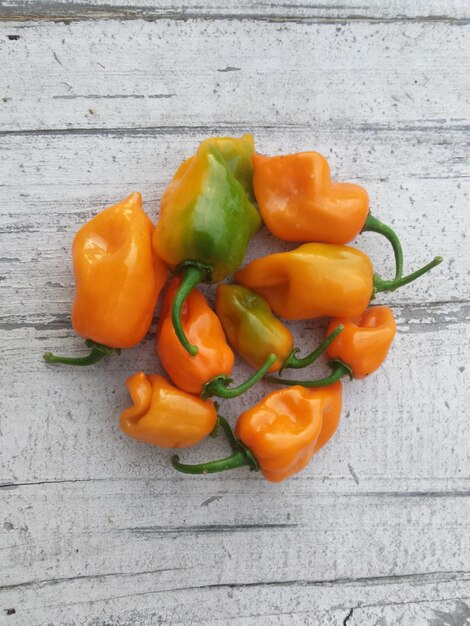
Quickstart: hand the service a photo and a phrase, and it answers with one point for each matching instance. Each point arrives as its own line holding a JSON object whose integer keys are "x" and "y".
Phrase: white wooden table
{"x": 101, "y": 99}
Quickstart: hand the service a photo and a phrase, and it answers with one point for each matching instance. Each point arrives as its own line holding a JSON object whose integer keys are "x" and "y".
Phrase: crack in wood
{"x": 223, "y": 126}
{"x": 414, "y": 579}
{"x": 203, "y": 528}
{"x": 58, "y": 12}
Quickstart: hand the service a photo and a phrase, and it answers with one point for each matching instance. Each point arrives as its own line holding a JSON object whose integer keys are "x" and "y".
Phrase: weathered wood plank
{"x": 98, "y": 530}
{"x": 397, "y": 10}
{"x": 111, "y": 74}
{"x": 128, "y": 547}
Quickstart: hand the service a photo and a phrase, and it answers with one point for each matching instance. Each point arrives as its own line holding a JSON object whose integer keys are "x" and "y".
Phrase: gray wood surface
{"x": 101, "y": 99}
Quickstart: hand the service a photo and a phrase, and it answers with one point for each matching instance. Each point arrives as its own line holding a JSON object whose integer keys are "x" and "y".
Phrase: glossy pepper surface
{"x": 256, "y": 333}
{"x": 206, "y": 222}
{"x": 164, "y": 415}
{"x": 318, "y": 280}
{"x": 117, "y": 277}
{"x": 203, "y": 329}
{"x": 208, "y": 372}
{"x": 237, "y": 153}
{"x": 365, "y": 341}
{"x": 251, "y": 327}
{"x": 280, "y": 434}
{"x": 299, "y": 202}
{"x": 283, "y": 430}
{"x": 359, "y": 350}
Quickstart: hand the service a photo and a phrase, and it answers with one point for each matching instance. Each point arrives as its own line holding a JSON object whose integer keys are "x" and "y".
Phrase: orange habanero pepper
{"x": 207, "y": 372}
{"x": 117, "y": 280}
{"x": 359, "y": 350}
{"x": 280, "y": 434}
{"x": 299, "y": 202}
{"x": 319, "y": 280}
{"x": 164, "y": 415}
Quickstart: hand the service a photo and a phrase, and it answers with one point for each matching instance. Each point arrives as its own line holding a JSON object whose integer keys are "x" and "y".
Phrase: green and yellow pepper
{"x": 206, "y": 220}
{"x": 256, "y": 333}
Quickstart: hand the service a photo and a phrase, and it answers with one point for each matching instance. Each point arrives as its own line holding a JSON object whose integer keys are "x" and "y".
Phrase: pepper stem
{"x": 218, "y": 386}
{"x": 193, "y": 274}
{"x": 98, "y": 352}
{"x": 225, "y": 427}
{"x": 241, "y": 456}
{"x": 372, "y": 224}
{"x": 390, "y": 285}
{"x": 340, "y": 369}
{"x": 295, "y": 363}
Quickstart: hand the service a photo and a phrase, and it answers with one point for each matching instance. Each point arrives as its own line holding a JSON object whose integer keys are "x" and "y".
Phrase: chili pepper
{"x": 280, "y": 434}
{"x": 238, "y": 154}
{"x": 117, "y": 281}
{"x": 360, "y": 349}
{"x": 299, "y": 202}
{"x": 205, "y": 225}
{"x": 318, "y": 280}
{"x": 251, "y": 327}
{"x": 207, "y": 373}
{"x": 164, "y": 415}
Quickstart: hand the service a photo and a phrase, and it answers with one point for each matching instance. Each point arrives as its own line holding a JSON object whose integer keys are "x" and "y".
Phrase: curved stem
{"x": 339, "y": 370}
{"x": 98, "y": 352}
{"x": 241, "y": 456}
{"x": 218, "y": 386}
{"x": 193, "y": 274}
{"x": 391, "y": 285}
{"x": 225, "y": 426}
{"x": 295, "y": 363}
{"x": 374, "y": 225}
{"x": 237, "y": 459}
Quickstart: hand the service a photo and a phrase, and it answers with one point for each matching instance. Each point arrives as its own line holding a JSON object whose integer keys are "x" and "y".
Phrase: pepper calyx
{"x": 219, "y": 385}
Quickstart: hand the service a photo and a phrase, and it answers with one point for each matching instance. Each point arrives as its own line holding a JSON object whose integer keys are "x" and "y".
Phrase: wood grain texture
{"x": 97, "y": 530}
{"x": 391, "y": 10}
{"x": 195, "y": 74}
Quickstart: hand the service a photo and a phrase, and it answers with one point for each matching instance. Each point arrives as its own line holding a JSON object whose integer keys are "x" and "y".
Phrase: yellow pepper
{"x": 319, "y": 280}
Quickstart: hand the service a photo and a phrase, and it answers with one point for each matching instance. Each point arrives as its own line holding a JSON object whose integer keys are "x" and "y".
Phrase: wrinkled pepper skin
{"x": 365, "y": 341}
{"x": 203, "y": 328}
{"x": 314, "y": 280}
{"x": 164, "y": 415}
{"x": 299, "y": 202}
{"x": 251, "y": 327}
{"x": 206, "y": 216}
{"x": 288, "y": 426}
{"x": 117, "y": 277}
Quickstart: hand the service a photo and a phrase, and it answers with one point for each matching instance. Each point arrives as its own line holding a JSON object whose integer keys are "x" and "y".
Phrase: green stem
{"x": 225, "y": 426}
{"x": 237, "y": 459}
{"x": 374, "y": 225}
{"x": 240, "y": 457}
{"x": 295, "y": 363}
{"x": 391, "y": 285}
{"x": 193, "y": 274}
{"x": 339, "y": 370}
{"x": 98, "y": 352}
{"x": 218, "y": 386}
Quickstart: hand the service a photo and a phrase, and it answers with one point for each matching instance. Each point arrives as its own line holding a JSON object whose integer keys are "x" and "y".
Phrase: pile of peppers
{"x": 216, "y": 202}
